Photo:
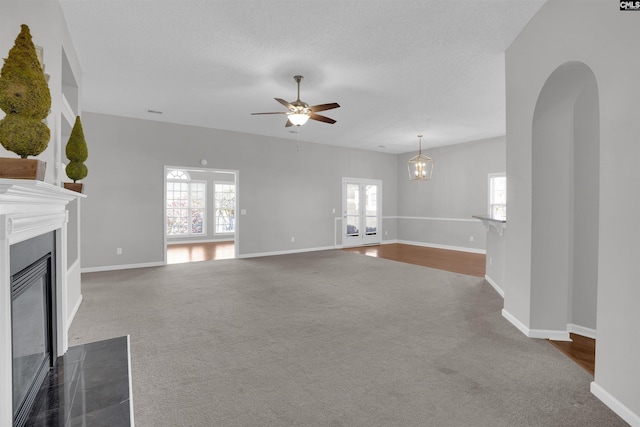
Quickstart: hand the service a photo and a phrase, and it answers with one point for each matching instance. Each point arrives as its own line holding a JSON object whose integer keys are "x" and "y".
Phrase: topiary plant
{"x": 25, "y": 98}
{"x": 77, "y": 153}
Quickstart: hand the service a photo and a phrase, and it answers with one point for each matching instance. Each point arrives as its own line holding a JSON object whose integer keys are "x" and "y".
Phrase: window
{"x": 186, "y": 204}
{"x": 225, "y": 207}
{"x": 498, "y": 196}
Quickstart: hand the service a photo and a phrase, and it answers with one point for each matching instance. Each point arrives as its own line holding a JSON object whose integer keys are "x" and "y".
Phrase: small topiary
{"x": 25, "y": 98}
{"x": 77, "y": 153}
{"x": 23, "y": 135}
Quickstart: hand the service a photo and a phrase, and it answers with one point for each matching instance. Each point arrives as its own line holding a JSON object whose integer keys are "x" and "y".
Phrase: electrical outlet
{"x": 490, "y": 261}
{"x": 118, "y": 251}
{"x": 334, "y": 210}
{"x": 293, "y": 239}
{"x": 386, "y": 232}
{"x": 471, "y": 238}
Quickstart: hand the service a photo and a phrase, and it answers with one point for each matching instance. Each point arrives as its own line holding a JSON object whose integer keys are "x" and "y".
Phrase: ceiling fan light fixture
{"x": 420, "y": 166}
{"x": 298, "y": 119}
{"x": 300, "y": 112}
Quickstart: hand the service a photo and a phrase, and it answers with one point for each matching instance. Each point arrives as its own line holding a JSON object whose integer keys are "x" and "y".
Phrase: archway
{"x": 565, "y": 200}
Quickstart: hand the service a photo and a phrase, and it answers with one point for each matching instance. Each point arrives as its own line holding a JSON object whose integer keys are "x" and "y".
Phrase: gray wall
{"x": 438, "y": 212}
{"x": 586, "y": 131}
{"x": 496, "y": 258}
{"x": 563, "y": 32}
{"x": 565, "y": 186}
{"x": 286, "y": 191}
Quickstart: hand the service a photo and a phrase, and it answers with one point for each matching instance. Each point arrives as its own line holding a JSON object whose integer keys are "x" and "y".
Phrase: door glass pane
{"x": 372, "y": 226}
{"x": 353, "y": 209}
{"x": 371, "y": 206}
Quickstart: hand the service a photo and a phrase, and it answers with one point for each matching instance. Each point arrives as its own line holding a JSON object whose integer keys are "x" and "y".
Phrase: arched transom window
{"x": 178, "y": 174}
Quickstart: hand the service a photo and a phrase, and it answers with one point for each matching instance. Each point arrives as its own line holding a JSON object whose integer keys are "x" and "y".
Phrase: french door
{"x": 361, "y": 212}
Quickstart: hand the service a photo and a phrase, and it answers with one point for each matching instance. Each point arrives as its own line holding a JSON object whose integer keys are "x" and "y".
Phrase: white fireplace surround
{"x": 28, "y": 209}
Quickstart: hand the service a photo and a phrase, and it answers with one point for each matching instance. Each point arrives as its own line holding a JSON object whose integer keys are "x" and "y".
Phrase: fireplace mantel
{"x": 28, "y": 209}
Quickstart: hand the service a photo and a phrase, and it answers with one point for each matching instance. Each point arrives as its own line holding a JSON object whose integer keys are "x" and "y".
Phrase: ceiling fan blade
{"x": 285, "y": 103}
{"x": 289, "y": 124}
{"x": 279, "y": 112}
{"x": 324, "y": 107}
{"x": 320, "y": 118}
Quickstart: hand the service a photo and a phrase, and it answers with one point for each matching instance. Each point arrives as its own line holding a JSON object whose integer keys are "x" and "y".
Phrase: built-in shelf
{"x": 498, "y": 223}
{"x": 67, "y": 111}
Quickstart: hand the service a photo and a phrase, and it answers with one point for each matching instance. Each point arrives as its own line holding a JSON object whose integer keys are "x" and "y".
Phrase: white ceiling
{"x": 396, "y": 67}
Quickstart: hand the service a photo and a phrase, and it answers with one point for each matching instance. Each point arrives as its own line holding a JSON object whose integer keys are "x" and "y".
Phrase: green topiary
{"x": 76, "y": 171}
{"x": 25, "y": 98}
{"x": 23, "y": 87}
{"x": 77, "y": 152}
{"x": 23, "y": 135}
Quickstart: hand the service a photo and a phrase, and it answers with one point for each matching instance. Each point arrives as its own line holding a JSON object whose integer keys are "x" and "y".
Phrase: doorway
{"x": 200, "y": 207}
{"x": 565, "y": 203}
{"x": 361, "y": 212}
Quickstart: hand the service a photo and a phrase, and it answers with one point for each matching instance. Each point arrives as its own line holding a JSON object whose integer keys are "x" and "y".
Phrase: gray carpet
{"x": 329, "y": 339}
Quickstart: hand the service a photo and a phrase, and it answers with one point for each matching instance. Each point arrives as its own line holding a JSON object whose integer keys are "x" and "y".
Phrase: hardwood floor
{"x": 581, "y": 350}
{"x": 468, "y": 263}
{"x": 208, "y": 251}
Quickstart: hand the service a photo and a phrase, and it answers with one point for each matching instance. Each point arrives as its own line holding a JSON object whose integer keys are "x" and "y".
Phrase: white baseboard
{"x": 183, "y": 242}
{"x": 549, "y": 334}
{"x": 389, "y": 242}
{"x": 515, "y": 322}
{"x": 581, "y": 330}
{"x": 294, "y": 251}
{"x": 73, "y": 312}
{"x": 438, "y": 246}
{"x": 494, "y": 285}
{"x": 120, "y": 267}
{"x": 536, "y": 333}
{"x": 615, "y": 405}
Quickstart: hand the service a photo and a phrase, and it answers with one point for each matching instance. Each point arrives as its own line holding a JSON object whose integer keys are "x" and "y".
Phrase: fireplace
{"x": 34, "y": 315}
{"x": 32, "y": 321}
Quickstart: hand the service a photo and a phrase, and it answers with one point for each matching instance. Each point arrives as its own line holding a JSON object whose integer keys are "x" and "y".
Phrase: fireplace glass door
{"x": 31, "y": 333}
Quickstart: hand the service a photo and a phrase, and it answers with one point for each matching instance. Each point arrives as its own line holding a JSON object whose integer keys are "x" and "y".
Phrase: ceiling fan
{"x": 299, "y": 112}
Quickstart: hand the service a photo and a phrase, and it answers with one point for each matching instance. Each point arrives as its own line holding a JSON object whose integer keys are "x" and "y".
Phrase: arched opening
{"x": 565, "y": 200}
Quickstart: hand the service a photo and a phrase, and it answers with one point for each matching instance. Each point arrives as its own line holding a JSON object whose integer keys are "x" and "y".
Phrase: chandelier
{"x": 420, "y": 167}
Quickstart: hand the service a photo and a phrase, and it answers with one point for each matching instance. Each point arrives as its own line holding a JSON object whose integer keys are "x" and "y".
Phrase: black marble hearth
{"x": 88, "y": 386}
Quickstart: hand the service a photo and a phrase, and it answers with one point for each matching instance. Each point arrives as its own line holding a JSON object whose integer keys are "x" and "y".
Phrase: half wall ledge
{"x": 497, "y": 223}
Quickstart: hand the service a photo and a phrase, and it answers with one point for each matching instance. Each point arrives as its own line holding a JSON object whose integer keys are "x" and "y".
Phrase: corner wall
{"x": 601, "y": 36}
{"x": 438, "y": 212}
